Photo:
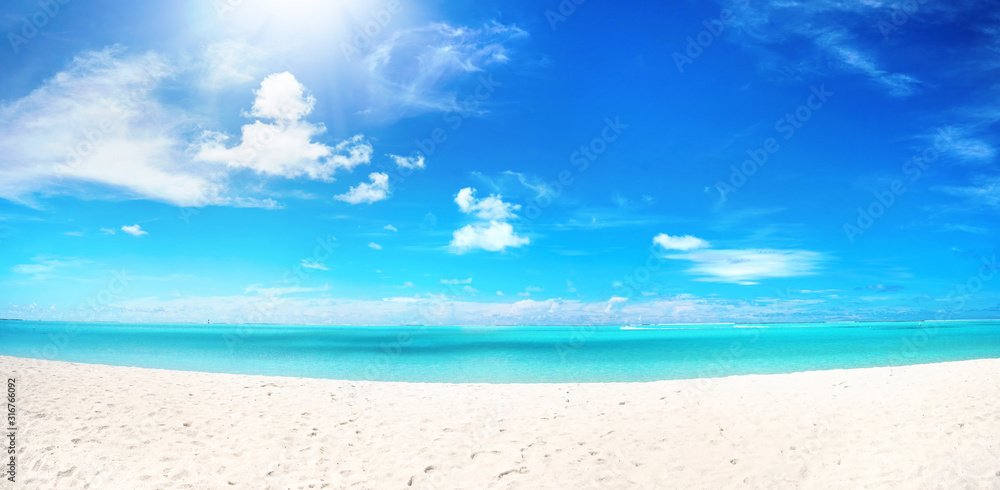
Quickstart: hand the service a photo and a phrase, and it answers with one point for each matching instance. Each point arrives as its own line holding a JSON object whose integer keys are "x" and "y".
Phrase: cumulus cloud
{"x": 134, "y": 230}
{"x": 374, "y": 246}
{"x": 495, "y": 236}
{"x": 109, "y": 231}
{"x": 100, "y": 128}
{"x": 284, "y": 147}
{"x": 390, "y": 228}
{"x": 487, "y": 208}
{"x": 686, "y": 242}
{"x": 365, "y": 192}
{"x": 457, "y": 281}
{"x": 412, "y": 162}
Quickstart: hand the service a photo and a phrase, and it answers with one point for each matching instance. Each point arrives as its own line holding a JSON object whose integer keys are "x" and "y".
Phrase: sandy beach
{"x": 95, "y": 426}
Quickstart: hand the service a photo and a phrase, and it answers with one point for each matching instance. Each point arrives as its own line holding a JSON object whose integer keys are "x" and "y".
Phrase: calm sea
{"x": 504, "y": 354}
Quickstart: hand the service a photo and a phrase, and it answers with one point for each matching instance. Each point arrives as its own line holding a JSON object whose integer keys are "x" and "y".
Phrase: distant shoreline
{"x": 632, "y": 326}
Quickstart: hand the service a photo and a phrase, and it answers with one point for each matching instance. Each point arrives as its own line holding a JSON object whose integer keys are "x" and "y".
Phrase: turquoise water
{"x": 503, "y": 354}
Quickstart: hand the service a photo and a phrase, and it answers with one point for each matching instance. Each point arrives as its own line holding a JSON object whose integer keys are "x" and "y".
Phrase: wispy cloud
{"x": 984, "y": 193}
{"x": 736, "y": 266}
{"x": 414, "y": 70}
{"x": 282, "y": 291}
{"x": 772, "y": 26}
{"x": 314, "y": 264}
{"x": 44, "y": 267}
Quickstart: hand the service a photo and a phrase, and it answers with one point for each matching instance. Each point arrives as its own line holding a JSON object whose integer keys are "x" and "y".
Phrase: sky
{"x": 559, "y": 162}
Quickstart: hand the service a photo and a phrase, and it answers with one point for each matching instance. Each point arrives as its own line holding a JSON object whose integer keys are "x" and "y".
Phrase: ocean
{"x": 519, "y": 354}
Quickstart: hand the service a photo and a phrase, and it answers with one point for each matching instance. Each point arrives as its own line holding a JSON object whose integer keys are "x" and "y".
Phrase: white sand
{"x": 929, "y": 426}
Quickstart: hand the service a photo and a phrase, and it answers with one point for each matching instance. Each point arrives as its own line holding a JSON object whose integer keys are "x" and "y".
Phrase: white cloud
{"x": 615, "y": 303}
{"x": 134, "y": 230}
{"x": 487, "y": 208}
{"x": 314, "y": 264}
{"x": 897, "y": 84}
{"x": 282, "y": 97}
{"x": 986, "y": 191}
{"x": 456, "y": 281}
{"x": 100, "y": 129}
{"x": 109, "y": 231}
{"x": 98, "y": 123}
{"x": 499, "y": 293}
{"x": 470, "y": 290}
{"x": 534, "y": 183}
{"x": 281, "y": 291}
{"x": 390, "y": 228}
{"x": 414, "y": 71}
{"x": 528, "y": 290}
{"x": 959, "y": 142}
{"x": 229, "y": 63}
{"x": 494, "y": 237}
{"x": 408, "y": 162}
{"x": 44, "y": 267}
{"x": 284, "y": 147}
{"x": 377, "y": 190}
{"x": 749, "y": 266}
{"x": 686, "y": 242}
{"x": 777, "y": 23}
{"x": 74, "y": 233}
{"x": 375, "y": 246}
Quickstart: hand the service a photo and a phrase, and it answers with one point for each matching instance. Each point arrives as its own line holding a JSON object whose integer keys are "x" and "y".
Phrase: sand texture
{"x": 94, "y": 426}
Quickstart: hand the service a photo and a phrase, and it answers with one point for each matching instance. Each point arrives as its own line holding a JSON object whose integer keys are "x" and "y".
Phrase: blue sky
{"x": 499, "y": 162}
